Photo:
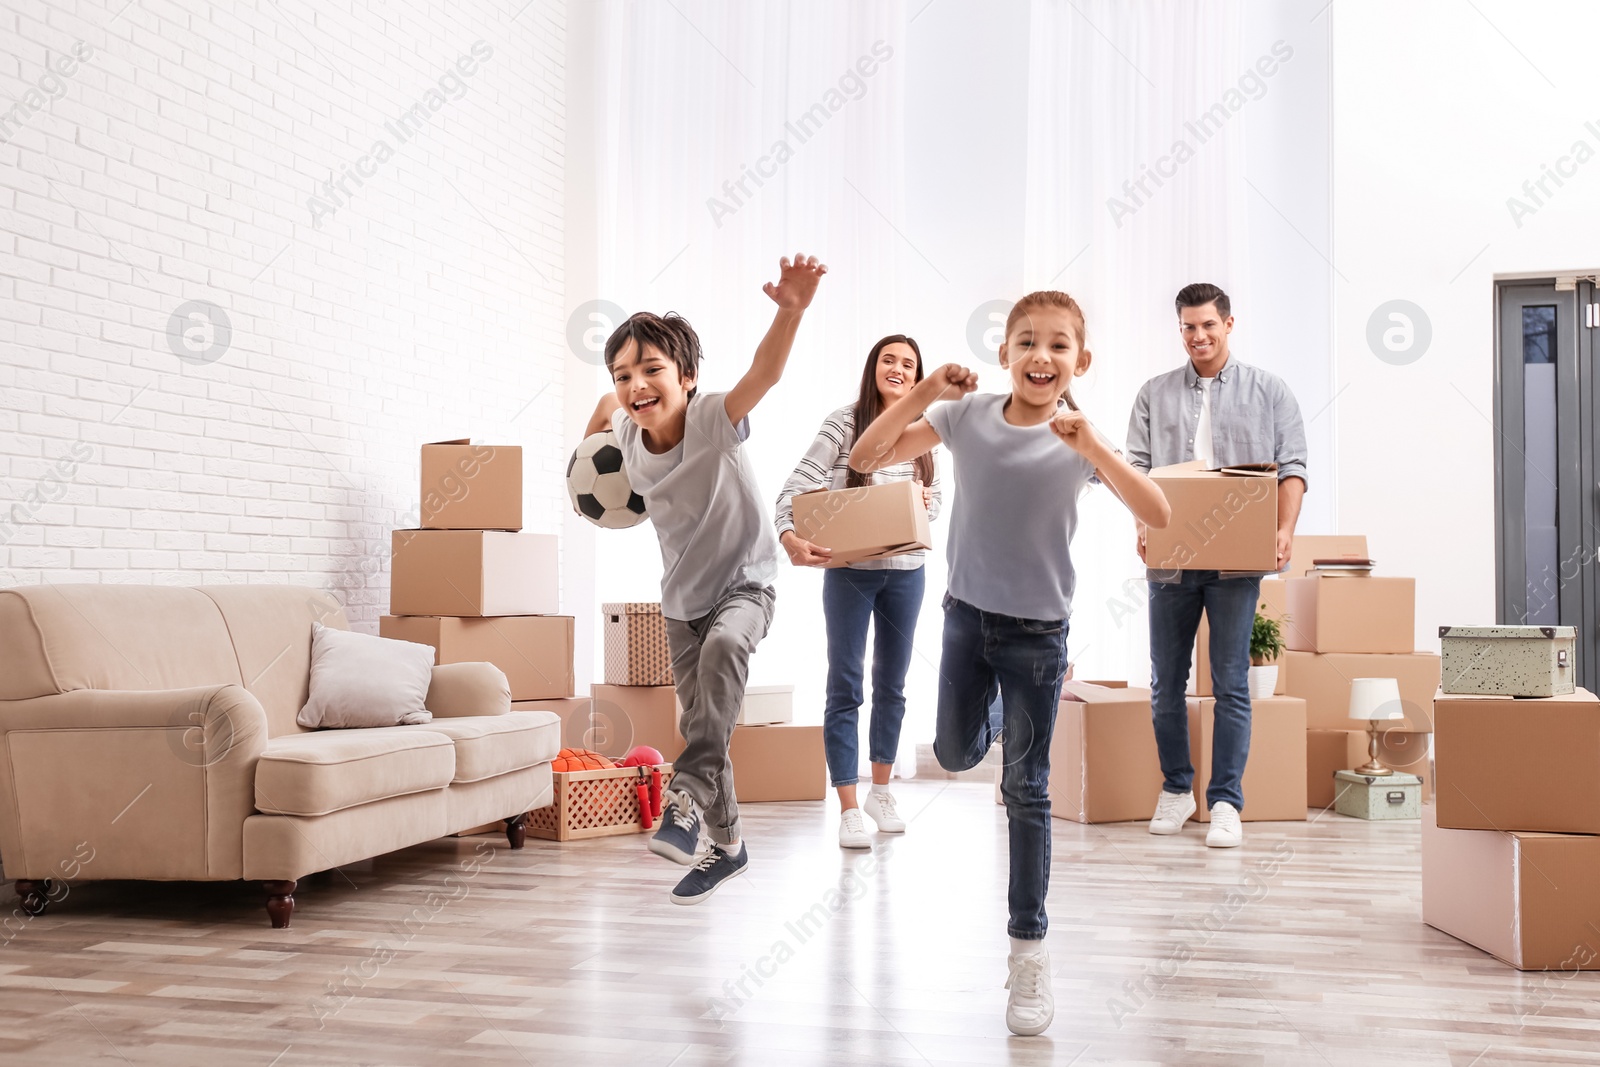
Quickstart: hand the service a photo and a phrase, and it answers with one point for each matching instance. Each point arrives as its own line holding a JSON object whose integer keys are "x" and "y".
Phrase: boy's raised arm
{"x": 797, "y": 284}
{"x": 601, "y": 419}
{"x": 900, "y": 433}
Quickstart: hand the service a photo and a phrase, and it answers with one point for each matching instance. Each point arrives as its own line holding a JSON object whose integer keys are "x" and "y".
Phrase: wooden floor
{"x": 1303, "y": 947}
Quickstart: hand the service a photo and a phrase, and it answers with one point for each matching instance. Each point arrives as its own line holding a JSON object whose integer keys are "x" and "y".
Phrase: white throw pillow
{"x": 359, "y": 680}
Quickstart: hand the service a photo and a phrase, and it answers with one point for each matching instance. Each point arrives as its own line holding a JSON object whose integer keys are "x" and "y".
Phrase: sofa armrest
{"x": 156, "y": 784}
{"x": 468, "y": 689}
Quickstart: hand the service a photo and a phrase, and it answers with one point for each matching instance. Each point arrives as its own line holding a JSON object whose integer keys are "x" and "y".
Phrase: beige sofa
{"x": 149, "y": 732}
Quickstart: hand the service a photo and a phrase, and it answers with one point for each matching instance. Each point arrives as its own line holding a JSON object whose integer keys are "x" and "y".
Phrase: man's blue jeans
{"x": 1017, "y": 663}
{"x": 1230, "y": 608}
{"x": 890, "y": 600}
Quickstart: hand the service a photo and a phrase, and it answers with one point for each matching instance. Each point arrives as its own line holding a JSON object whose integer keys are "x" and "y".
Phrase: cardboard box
{"x": 473, "y": 573}
{"x": 637, "y": 652}
{"x": 1307, "y": 547}
{"x": 1272, "y": 603}
{"x": 765, "y": 705}
{"x": 1103, "y": 761}
{"x": 1327, "y": 753}
{"x": 1510, "y": 764}
{"x": 471, "y": 487}
{"x": 1275, "y": 772}
{"x": 1527, "y": 899}
{"x": 778, "y": 762}
{"x": 1222, "y": 520}
{"x": 534, "y": 651}
{"x": 622, "y": 716}
{"x": 871, "y": 522}
{"x": 1346, "y": 614}
{"x": 574, "y": 715}
{"x": 1322, "y": 680}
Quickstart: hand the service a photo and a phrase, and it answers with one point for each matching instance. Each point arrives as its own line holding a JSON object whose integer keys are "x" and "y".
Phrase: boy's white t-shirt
{"x": 708, "y": 511}
{"x": 1015, "y": 509}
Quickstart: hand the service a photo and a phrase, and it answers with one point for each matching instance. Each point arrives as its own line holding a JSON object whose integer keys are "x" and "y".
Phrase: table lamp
{"x": 1375, "y": 700}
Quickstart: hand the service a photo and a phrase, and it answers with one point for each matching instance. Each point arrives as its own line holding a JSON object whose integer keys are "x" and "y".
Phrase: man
{"x": 1222, "y": 413}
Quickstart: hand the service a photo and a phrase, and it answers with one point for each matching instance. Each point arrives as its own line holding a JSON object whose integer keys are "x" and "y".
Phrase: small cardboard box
{"x": 1322, "y": 680}
{"x": 778, "y": 762}
{"x": 473, "y": 573}
{"x": 471, "y": 487}
{"x": 1527, "y": 899}
{"x": 534, "y": 651}
{"x": 637, "y": 652}
{"x": 1274, "y": 782}
{"x": 622, "y": 716}
{"x": 870, "y": 522}
{"x": 1509, "y": 764}
{"x": 1380, "y": 797}
{"x": 1222, "y": 520}
{"x": 765, "y": 705}
{"x": 1307, "y": 547}
{"x": 1272, "y": 604}
{"x": 1103, "y": 761}
{"x": 1512, "y": 661}
{"x": 1351, "y": 614}
{"x": 573, "y": 712}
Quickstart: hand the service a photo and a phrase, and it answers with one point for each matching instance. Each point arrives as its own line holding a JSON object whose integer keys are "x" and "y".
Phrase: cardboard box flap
{"x": 1249, "y": 470}
{"x": 1195, "y": 469}
{"x": 1094, "y": 693}
{"x": 452, "y": 441}
{"x": 1534, "y": 633}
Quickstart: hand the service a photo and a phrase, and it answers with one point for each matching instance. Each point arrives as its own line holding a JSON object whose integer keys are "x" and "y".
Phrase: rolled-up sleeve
{"x": 1138, "y": 451}
{"x": 1289, "y": 435}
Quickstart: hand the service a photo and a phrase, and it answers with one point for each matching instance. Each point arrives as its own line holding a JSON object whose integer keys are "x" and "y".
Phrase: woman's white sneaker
{"x": 1032, "y": 1005}
{"x": 1172, "y": 811}
{"x": 880, "y": 809}
{"x": 852, "y": 831}
{"x": 1226, "y": 831}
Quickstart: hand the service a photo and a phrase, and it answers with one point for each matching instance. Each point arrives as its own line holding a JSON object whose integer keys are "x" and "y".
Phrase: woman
{"x": 888, "y": 592}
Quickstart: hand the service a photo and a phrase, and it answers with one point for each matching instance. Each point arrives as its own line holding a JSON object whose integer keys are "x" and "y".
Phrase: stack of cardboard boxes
{"x": 1511, "y": 844}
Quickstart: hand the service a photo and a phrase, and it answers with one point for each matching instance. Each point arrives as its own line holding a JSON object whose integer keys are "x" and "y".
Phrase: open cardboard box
{"x": 869, "y": 522}
{"x": 1103, "y": 761}
{"x": 1224, "y": 519}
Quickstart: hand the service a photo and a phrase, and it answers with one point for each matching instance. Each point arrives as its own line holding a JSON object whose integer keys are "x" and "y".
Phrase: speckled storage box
{"x": 1508, "y": 661}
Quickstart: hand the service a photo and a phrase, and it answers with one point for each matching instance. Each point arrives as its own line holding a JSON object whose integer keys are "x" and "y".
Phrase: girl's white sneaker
{"x": 880, "y": 809}
{"x": 852, "y": 831}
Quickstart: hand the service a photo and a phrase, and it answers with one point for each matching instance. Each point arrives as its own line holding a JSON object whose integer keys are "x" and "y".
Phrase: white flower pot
{"x": 1263, "y": 680}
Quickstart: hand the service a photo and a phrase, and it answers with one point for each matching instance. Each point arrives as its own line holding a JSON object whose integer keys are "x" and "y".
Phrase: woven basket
{"x": 600, "y": 803}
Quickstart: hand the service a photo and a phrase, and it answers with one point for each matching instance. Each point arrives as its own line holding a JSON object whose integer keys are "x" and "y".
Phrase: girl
{"x": 1021, "y": 459}
{"x": 886, "y": 591}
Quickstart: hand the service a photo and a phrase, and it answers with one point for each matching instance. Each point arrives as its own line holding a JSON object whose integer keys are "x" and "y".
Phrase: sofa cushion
{"x": 491, "y": 745}
{"x": 318, "y": 773}
{"x": 358, "y": 680}
{"x": 468, "y": 689}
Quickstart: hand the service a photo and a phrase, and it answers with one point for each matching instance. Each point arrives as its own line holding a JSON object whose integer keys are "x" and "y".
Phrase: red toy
{"x": 642, "y": 757}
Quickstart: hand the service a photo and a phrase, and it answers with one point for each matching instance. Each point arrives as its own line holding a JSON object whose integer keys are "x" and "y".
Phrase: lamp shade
{"x": 1376, "y": 699}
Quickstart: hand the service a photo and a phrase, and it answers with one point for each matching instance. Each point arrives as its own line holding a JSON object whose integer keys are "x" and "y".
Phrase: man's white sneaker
{"x": 880, "y": 809}
{"x": 1172, "y": 811}
{"x": 852, "y": 831}
{"x": 1031, "y": 1005}
{"x": 1226, "y": 831}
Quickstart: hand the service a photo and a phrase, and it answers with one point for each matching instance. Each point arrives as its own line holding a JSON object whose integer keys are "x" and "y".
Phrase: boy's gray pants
{"x": 710, "y": 661}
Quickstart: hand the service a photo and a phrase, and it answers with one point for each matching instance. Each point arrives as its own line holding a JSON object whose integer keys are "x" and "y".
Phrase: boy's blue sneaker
{"x": 714, "y": 868}
{"x": 678, "y": 836}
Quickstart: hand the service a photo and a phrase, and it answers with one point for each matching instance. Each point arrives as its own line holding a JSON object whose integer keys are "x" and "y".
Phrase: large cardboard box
{"x": 574, "y": 712}
{"x": 1307, "y": 547}
{"x": 871, "y": 522}
{"x": 1222, "y": 520}
{"x": 622, "y": 716}
{"x": 1274, "y": 774}
{"x": 1510, "y": 764}
{"x": 1103, "y": 761}
{"x": 1351, "y": 614}
{"x": 778, "y": 762}
{"x": 471, "y": 487}
{"x": 1327, "y": 753}
{"x": 1272, "y": 604}
{"x": 473, "y": 573}
{"x": 1527, "y": 899}
{"x": 534, "y": 651}
{"x": 637, "y": 652}
{"x": 1322, "y": 680}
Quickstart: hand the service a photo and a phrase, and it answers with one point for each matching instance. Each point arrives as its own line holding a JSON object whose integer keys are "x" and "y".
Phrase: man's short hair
{"x": 1199, "y": 295}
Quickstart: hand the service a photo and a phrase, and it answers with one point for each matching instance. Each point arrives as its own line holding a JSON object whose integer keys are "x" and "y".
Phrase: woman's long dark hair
{"x": 869, "y": 405}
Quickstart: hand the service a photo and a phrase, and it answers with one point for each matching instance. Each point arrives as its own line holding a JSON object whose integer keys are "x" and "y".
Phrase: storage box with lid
{"x": 637, "y": 652}
{"x": 1388, "y": 796}
{"x": 1510, "y": 661}
{"x": 765, "y": 705}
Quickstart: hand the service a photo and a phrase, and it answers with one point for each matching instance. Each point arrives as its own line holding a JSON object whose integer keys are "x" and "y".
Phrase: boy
{"x": 681, "y": 449}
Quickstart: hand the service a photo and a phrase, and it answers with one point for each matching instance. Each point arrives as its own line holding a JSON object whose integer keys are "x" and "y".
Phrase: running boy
{"x": 1011, "y": 580}
{"x": 681, "y": 449}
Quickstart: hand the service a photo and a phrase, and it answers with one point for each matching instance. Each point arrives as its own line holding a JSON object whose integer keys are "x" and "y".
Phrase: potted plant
{"x": 1266, "y": 645}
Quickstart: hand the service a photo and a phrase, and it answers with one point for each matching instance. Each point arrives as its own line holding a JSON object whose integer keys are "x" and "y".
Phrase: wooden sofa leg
{"x": 34, "y": 900}
{"x": 516, "y": 831}
{"x": 280, "y": 903}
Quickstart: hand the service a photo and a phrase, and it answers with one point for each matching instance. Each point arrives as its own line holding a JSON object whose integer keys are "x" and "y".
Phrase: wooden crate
{"x": 599, "y": 803}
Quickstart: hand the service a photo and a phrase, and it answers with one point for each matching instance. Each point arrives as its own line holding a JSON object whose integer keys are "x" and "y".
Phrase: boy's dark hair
{"x": 1199, "y": 295}
{"x": 669, "y": 334}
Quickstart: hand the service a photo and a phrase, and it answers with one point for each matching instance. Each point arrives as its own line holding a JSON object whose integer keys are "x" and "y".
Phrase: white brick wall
{"x": 176, "y": 164}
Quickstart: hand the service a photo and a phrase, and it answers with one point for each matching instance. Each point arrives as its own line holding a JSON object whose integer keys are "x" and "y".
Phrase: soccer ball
{"x": 599, "y": 486}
